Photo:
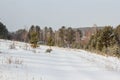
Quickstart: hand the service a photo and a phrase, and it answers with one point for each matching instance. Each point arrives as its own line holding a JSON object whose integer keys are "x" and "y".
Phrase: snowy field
{"x": 61, "y": 64}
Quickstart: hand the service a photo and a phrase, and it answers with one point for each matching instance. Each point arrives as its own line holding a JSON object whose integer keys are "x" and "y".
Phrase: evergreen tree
{"x": 33, "y": 36}
{"x": 80, "y": 33}
{"x": 34, "y": 39}
{"x": 117, "y": 35}
{"x": 98, "y": 40}
{"x": 70, "y": 36}
{"x": 3, "y": 31}
{"x": 50, "y": 41}
{"x": 92, "y": 43}
{"x": 78, "y": 37}
{"x": 45, "y": 35}
{"x": 32, "y": 28}
{"x": 38, "y": 32}
{"x": 107, "y": 36}
{"x": 103, "y": 38}
{"x": 62, "y": 33}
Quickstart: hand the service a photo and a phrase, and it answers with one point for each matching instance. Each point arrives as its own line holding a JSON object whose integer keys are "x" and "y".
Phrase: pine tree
{"x": 70, "y": 36}
{"x": 62, "y": 33}
{"x": 78, "y": 36}
{"x": 3, "y": 31}
{"x": 50, "y": 41}
{"x": 45, "y": 32}
{"x": 107, "y": 36}
{"x": 80, "y": 33}
{"x": 33, "y": 36}
{"x": 117, "y": 35}
{"x": 98, "y": 40}
{"x": 34, "y": 39}
{"x": 92, "y": 42}
{"x": 38, "y": 32}
{"x": 32, "y": 28}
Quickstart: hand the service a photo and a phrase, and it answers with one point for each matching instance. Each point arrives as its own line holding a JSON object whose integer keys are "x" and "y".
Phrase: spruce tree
{"x": 3, "y": 31}
{"x": 34, "y": 39}
{"x": 33, "y": 36}
{"x": 70, "y": 36}
{"x": 50, "y": 41}
{"x": 107, "y": 36}
{"x": 62, "y": 34}
{"x": 117, "y": 35}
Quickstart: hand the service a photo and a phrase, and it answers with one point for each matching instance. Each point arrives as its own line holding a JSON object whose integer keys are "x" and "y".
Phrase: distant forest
{"x": 102, "y": 40}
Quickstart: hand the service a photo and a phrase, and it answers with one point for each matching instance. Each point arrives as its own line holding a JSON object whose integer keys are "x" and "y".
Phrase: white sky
{"x": 16, "y": 14}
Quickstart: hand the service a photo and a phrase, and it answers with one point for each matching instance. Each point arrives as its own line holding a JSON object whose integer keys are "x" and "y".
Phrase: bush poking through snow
{"x": 34, "y": 51}
{"x": 48, "y": 50}
{"x": 12, "y": 46}
{"x": 10, "y": 60}
{"x": 26, "y": 46}
{"x": 18, "y": 61}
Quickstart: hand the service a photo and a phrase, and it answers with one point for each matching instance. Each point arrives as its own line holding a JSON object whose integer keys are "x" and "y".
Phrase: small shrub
{"x": 48, "y": 50}
{"x": 34, "y": 45}
{"x": 26, "y": 46}
{"x": 9, "y": 61}
{"x": 18, "y": 61}
{"x": 34, "y": 51}
{"x": 12, "y": 46}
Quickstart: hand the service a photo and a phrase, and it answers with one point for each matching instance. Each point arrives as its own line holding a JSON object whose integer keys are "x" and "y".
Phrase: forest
{"x": 103, "y": 40}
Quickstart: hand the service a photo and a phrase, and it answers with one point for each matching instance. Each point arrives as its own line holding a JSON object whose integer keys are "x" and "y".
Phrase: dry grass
{"x": 11, "y": 60}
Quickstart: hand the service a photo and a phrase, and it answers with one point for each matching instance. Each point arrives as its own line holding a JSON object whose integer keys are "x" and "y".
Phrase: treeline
{"x": 64, "y": 37}
{"x": 105, "y": 40}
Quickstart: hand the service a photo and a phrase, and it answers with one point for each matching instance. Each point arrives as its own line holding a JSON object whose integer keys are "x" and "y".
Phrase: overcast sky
{"x": 16, "y": 14}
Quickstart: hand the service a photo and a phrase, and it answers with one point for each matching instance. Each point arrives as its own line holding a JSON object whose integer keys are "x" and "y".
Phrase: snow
{"x": 61, "y": 64}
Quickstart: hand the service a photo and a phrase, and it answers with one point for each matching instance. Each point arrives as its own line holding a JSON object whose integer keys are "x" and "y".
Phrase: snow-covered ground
{"x": 61, "y": 64}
